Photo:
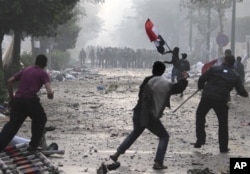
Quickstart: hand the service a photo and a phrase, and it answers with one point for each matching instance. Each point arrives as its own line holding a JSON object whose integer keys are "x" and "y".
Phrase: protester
{"x": 220, "y": 60}
{"x": 217, "y": 83}
{"x": 183, "y": 65}
{"x": 26, "y": 103}
{"x": 82, "y": 56}
{"x": 239, "y": 67}
{"x": 216, "y": 62}
{"x": 154, "y": 96}
{"x": 174, "y": 60}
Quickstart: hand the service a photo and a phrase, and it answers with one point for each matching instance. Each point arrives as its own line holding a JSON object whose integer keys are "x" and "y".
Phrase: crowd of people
{"x": 154, "y": 96}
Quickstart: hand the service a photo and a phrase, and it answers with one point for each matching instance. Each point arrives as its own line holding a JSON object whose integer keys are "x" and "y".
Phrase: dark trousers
{"x": 155, "y": 126}
{"x": 221, "y": 110}
{"x": 20, "y": 110}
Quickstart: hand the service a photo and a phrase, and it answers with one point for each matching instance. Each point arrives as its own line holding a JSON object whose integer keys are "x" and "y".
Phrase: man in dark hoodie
{"x": 175, "y": 59}
{"x": 149, "y": 110}
{"x": 217, "y": 83}
{"x": 183, "y": 65}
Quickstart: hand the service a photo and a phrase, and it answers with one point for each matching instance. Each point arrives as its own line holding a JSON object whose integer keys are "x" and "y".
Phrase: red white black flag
{"x": 155, "y": 37}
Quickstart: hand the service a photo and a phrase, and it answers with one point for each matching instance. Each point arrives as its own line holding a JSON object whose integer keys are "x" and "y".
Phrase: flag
{"x": 155, "y": 37}
{"x": 208, "y": 65}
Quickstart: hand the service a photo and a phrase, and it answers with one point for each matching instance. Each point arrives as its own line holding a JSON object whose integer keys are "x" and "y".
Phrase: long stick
{"x": 167, "y": 46}
{"x": 51, "y": 152}
{"x": 185, "y": 101}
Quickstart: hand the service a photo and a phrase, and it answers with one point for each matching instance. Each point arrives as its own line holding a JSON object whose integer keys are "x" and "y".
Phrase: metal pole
{"x": 248, "y": 45}
{"x": 190, "y": 30}
{"x": 233, "y": 27}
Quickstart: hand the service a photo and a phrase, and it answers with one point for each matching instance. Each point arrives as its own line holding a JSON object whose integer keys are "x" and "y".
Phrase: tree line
{"x": 35, "y": 19}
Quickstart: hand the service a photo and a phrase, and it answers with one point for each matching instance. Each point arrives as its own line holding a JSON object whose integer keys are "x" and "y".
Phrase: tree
{"x": 32, "y": 18}
{"x": 243, "y": 28}
{"x": 219, "y": 7}
{"x": 65, "y": 38}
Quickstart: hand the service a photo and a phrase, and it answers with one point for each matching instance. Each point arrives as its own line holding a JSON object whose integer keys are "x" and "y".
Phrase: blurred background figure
{"x": 239, "y": 67}
{"x": 82, "y": 56}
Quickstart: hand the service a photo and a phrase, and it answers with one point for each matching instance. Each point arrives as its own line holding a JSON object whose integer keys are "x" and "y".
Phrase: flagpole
{"x": 167, "y": 46}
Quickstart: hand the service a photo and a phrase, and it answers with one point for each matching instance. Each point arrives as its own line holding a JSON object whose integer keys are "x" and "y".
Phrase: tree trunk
{"x": 220, "y": 48}
{"x": 3, "y": 91}
{"x": 17, "y": 48}
{"x": 1, "y": 51}
{"x": 15, "y": 64}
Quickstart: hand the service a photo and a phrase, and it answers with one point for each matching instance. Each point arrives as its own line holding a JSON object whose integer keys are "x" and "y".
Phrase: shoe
{"x": 113, "y": 157}
{"x": 33, "y": 149}
{"x": 158, "y": 166}
{"x": 113, "y": 166}
{"x": 225, "y": 150}
{"x": 50, "y": 128}
{"x": 198, "y": 145}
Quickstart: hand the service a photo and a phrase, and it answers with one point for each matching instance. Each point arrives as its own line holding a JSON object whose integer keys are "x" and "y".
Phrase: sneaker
{"x": 158, "y": 166}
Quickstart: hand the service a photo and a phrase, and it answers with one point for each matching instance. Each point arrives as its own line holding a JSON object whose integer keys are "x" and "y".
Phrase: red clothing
{"x": 31, "y": 79}
{"x": 208, "y": 65}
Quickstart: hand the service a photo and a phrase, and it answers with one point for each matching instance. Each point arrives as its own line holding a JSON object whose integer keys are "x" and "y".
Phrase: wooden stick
{"x": 13, "y": 151}
{"x": 185, "y": 101}
{"x": 18, "y": 154}
{"x": 18, "y": 158}
{"x": 13, "y": 147}
{"x": 47, "y": 161}
{"x": 51, "y": 152}
{"x": 6, "y": 169}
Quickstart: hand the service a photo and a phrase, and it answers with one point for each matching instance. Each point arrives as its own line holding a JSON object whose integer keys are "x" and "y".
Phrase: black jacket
{"x": 218, "y": 81}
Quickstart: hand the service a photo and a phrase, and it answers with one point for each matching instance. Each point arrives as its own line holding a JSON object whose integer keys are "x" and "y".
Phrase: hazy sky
{"x": 112, "y": 12}
{"x": 116, "y": 13}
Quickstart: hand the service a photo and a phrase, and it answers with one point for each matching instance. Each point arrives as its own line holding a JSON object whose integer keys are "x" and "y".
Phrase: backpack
{"x": 184, "y": 65}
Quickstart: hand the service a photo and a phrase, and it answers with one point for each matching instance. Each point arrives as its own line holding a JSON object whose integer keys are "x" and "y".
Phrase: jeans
{"x": 20, "y": 110}
{"x": 155, "y": 126}
{"x": 173, "y": 74}
{"x": 221, "y": 110}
